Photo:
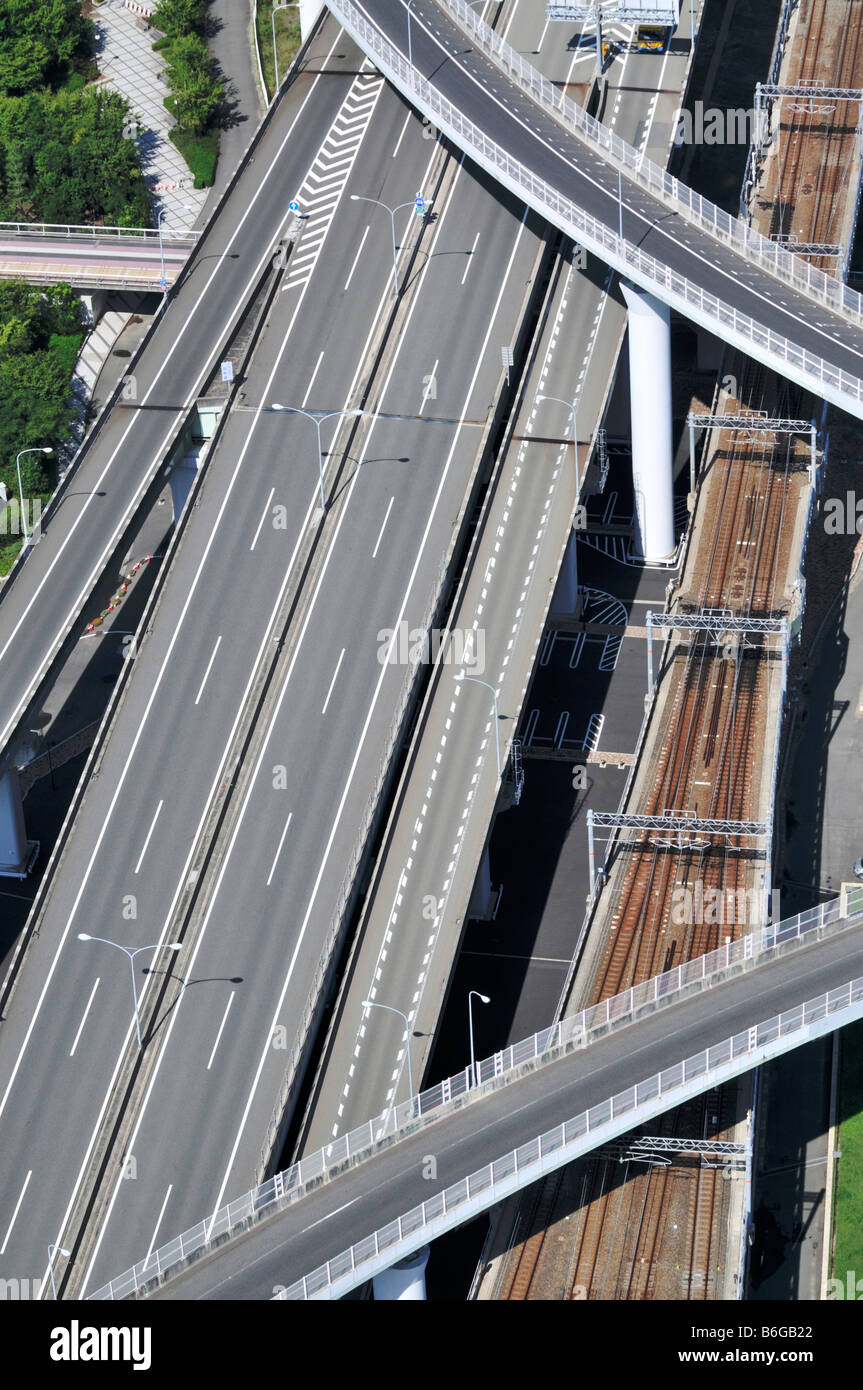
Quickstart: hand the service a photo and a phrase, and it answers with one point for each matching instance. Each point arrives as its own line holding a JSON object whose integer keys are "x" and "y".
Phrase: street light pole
{"x": 572, "y": 406}
{"x": 317, "y": 421}
{"x": 65, "y": 1254}
{"x": 159, "y": 946}
{"x": 485, "y": 1000}
{"x": 289, "y": 6}
{"x": 370, "y": 1004}
{"x": 358, "y": 198}
{"x": 20, "y": 487}
{"x": 476, "y": 680}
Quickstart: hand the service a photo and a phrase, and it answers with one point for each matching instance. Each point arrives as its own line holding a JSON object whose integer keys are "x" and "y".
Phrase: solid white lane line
{"x": 383, "y": 527}
{"x": 279, "y": 850}
{"x": 119, "y": 1184}
{"x": 209, "y": 668}
{"x": 402, "y": 135}
{"x": 357, "y": 256}
{"x": 149, "y": 833}
{"x": 221, "y": 1028}
{"x": 15, "y": 1212}
{"x": 118, "y": 451}
{"x": 470, "y": 258}
{"x": 311, "y": 381}
{"x": 158, "y": 1224}
{"x": 264, "y": 514}
{"x": 84, "y": 1019}
{"x": 333, "y": 681}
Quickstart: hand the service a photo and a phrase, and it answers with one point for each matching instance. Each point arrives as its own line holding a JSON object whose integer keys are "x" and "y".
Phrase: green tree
{"x": 178, "y": 17}
{"x": 194, "y": 89}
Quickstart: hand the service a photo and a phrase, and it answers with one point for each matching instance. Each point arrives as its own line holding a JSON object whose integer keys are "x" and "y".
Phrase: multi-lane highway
{"x": 45, "y": 595}
{"x": 332, "y": 1216}
{"x": 405, "y": 956}
{"x": 707, "y": 276}
{"x": 245, "y": 981}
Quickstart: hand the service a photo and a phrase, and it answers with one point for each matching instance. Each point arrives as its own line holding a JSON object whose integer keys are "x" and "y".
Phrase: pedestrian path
{"x": 128, "y": 64}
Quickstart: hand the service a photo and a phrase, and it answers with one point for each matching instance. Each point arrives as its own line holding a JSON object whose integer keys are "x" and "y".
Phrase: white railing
{"x": 489, "y": 1185}
{"x": 70, "y": 230}
{"x": 646, "y": 173}
{"x": 751, "y": 336}
{"x": 500, "y": 1069}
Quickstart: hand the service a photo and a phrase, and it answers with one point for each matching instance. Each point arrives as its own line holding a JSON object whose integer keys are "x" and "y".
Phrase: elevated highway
{"x": 357, "y": 1206}
{"x": 45, "y": 594}
{"x": 93, "y": 257}
{"x": 754, "y": 294}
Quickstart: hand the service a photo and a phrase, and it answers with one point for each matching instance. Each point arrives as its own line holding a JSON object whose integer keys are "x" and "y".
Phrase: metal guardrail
{"x": 489, "y": 1185}
{"x": 88, "y": 233}
{"x": 644, "y": 171}
{"x": 500, "y": 1069}
{"x": 587, "y": 230}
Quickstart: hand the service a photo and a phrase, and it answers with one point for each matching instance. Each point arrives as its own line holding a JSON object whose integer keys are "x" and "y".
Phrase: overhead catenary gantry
{"x": 750, "y": 426}
{"x": 680, "y": 826}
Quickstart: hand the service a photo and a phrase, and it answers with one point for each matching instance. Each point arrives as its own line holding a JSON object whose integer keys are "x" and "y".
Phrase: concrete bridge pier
{"x": 94, "y": 302}
{"x": 566, "y": 595}
{"x": 650, "y": 407}
{"x": 16, "y": 851}
{"x": 405, "y": 1282}
{"x": 181, "y": 479}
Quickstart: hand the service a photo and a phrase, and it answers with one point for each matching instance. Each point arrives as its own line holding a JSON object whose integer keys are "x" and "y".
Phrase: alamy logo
{"x": 20, "y": 1290}
{"x": 77, "y": 1343}
{"x": 705, "y": 905}
{"x": 849, "y": 1288}
{"x": 13, "y": 523}
{"x": 404, "y": 646}
{"x": 715, "y": 126}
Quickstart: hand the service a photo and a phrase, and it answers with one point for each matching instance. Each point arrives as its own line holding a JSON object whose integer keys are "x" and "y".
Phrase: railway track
{"x": 656, "y": 1232}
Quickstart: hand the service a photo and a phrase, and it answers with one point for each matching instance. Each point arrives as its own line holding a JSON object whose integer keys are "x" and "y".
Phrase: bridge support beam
{"x": 405, "y": 1282}
{"x": 16, "y": 851}
{"x": 650, "y": 406}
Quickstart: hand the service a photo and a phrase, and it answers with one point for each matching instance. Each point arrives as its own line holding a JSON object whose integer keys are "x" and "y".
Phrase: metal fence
{"x": 490, "y": 1184}
{"x": 626, "y": 258}
{"x": 500, "y": 1069}
{"x": 645, "y": 172}
{"x": 70, "y": 230}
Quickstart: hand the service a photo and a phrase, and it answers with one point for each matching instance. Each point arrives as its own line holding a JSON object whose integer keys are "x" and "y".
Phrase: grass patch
{"x": 288, "y": 41}
{"x": 201, "y": 153}
{"x": 848, "y": 1200}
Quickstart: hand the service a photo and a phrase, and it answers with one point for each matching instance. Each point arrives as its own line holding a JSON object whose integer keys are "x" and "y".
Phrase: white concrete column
{"x": 14, "y": 849}
{"x": 405, "y": 1281}
{"x": 309, "y": 11}
{"x": 650, "y": 405}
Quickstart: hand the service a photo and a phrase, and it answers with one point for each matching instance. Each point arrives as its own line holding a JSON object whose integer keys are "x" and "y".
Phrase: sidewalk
{"x": 127, "y": 64}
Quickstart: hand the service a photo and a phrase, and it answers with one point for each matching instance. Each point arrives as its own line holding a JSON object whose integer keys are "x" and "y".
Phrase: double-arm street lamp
{"x": 317, "y": 420}
{"x": 159, "y": 946}
{"x": 416, "y": 203}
